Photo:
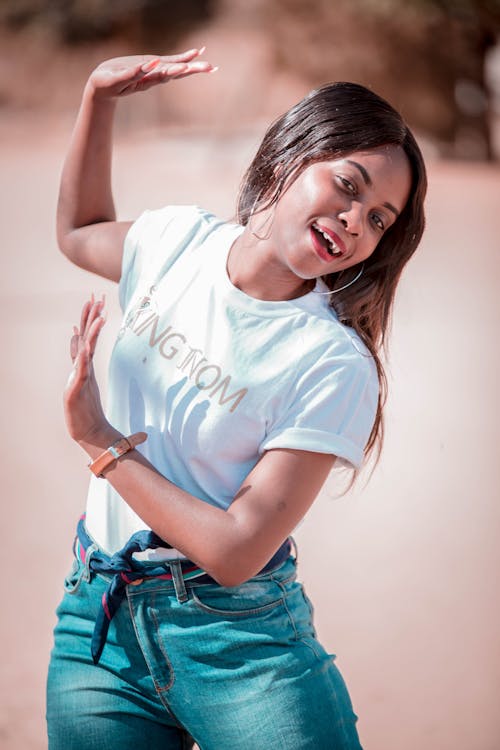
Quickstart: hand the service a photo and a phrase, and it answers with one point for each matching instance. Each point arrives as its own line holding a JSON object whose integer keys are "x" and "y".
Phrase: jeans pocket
{"x": 250, "y": 599}
{"x": 74, "y": 577}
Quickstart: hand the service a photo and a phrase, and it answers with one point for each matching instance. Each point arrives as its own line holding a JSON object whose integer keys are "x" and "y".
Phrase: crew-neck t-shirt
{"x": 216, "y": 377}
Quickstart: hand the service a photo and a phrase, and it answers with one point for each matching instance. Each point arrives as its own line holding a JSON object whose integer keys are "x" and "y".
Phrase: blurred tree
{"x": 81, "y": 21}
{"x": 426, "y": 56}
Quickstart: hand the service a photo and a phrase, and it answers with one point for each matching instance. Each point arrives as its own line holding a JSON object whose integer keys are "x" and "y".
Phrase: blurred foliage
{"x": 425, "y": 56}
{"x": 83, "y": 21}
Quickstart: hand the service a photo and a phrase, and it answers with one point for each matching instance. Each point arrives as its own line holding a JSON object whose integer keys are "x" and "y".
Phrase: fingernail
{"x": 202, "y": 50}
{"x": 214, "y": 70}
{"x": 150, "y": 65}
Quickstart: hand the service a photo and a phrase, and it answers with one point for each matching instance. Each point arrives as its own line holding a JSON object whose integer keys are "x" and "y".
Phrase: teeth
{"x": 332, "y": 247}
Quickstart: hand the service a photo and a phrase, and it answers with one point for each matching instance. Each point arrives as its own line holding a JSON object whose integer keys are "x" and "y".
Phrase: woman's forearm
{"x": 87, "y": 230}
{"x": 232, "y": 545}
{"x": 85, "y": 195}
{"x": 209, "y": 536}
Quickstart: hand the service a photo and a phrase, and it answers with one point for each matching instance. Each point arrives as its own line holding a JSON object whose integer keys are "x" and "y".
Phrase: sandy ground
{"x": 403, "y": 572}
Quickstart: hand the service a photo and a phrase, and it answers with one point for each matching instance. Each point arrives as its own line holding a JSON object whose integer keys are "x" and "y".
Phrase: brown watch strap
{"x": 114, "y": 452}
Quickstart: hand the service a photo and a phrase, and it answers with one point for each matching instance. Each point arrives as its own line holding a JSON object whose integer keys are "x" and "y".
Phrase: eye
{"x": 379, "y": 222}
{"x": 349, "y": 186}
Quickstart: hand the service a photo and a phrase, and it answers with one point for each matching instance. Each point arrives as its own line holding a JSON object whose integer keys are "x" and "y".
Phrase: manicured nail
{"x": 214, "y": 70}
{"x": 150, "y": 65}
{"x": 202, "y": 50}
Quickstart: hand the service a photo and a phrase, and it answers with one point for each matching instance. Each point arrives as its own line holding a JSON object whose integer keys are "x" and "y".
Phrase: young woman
{"x": 247, "y": 364}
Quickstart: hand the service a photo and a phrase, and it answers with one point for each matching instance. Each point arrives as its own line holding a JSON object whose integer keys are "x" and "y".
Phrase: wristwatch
{"x": 114, "y": 452}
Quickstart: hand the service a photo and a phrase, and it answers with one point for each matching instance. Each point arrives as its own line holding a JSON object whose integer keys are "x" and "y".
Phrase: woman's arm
{"x": 87, "y": 230}
{"x": 231, "y": 545}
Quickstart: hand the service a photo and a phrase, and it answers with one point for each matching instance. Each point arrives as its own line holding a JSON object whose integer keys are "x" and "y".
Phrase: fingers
{"x": 163, "y": 72}
{"x": 186, "y": 56}
{"x": 84, "y": 315}
{"x": 122, "y": 76}
{"x": 82, "y": 352}
{"x": 93, "y": 333}
{"x": 148, "y": 66}
{"x": 73, "y": 346}
{"x": 81, "y": 367}
{"x": 182, "y": 57}
{"x": 91, "y": 323}
{"x": 191, "y": 71}
{"x": 163, "y": 68}
{"x": 82, "y": 364}
{"x": 91, "y": 310}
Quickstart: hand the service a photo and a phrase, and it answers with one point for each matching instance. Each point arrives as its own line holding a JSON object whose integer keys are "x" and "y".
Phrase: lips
{"x": 327, "y": 244}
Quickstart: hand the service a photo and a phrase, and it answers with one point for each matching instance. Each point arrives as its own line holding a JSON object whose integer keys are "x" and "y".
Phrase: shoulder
{"x": 332, "y": 401}
{"x": 330, "y": 343}
{"x": 160, "y": 236}
{"x": 157, "y": 239}
{"x": 155, "y": 224}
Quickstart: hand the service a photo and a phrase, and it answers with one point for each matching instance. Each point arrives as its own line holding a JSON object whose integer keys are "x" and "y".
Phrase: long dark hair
{"x": 329, "y": 123}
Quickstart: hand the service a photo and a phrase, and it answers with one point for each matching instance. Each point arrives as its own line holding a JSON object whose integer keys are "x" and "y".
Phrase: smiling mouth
{"x": 326, "y": 241}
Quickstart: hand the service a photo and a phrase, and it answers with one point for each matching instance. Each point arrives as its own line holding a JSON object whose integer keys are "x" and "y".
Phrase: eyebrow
{"x": 364, "y": 174}
{"x": 368, "y": 181}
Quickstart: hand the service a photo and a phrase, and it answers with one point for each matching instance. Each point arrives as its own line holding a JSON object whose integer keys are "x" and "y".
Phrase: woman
{"x": 247, "y": 365}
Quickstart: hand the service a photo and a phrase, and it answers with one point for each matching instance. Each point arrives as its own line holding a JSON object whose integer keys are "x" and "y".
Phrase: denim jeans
{"x": 230, "y": 668}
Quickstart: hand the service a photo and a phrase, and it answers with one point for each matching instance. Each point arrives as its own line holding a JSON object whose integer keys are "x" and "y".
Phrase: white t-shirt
{"x": 216, "y": 377}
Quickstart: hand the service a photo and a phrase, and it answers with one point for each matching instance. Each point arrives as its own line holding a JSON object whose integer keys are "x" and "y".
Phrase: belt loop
{"x": 294, "y": 548}
{"x": 180, "y": 588}
{"x": 88, "y": 557}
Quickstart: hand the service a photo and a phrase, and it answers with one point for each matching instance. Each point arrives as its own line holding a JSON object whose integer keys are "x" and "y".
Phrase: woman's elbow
{"x": 74, "y": 244}
{"x": 228, "y": 579}
{"x": 233, "y": 570}
{"x": 65, "y": 247}
{"x": 66, "y": 241}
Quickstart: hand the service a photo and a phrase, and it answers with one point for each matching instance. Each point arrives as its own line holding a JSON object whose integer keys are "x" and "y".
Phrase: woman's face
{"x": 333, "y": 215}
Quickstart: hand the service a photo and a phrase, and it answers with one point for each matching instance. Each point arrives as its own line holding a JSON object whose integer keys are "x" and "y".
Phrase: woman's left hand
{"x": 83, "y": 410}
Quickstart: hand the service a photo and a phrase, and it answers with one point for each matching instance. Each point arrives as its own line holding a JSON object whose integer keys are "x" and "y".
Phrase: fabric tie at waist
{"x": 125, "y": 570}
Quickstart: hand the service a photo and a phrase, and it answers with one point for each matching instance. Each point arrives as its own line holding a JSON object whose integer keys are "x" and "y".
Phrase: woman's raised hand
{"x": 121, "y": 76}
{"x": 82, "y": 401}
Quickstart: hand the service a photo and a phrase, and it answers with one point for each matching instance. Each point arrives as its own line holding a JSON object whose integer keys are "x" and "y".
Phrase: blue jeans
{"x": 230, "y": 668}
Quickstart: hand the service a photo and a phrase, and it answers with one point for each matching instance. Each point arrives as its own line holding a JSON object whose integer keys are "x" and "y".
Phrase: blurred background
{"x": 403, "y": 569}
{"x": 436, "y": 60}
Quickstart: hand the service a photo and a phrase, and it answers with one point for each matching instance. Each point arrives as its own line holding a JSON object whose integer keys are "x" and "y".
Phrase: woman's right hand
{"x": 121, "y": 76}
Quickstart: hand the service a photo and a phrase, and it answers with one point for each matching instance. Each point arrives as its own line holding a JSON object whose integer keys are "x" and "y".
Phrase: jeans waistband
{"x": 125, "y": 570}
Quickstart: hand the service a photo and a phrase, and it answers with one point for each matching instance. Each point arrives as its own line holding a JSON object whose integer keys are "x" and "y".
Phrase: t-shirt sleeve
{"x": 153, "y": 244}
{"x": 331, "y": 408}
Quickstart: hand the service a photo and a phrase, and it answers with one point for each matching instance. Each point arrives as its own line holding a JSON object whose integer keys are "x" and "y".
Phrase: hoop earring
{"x": 341, "y": 289}
{"x": 269, "y": 220}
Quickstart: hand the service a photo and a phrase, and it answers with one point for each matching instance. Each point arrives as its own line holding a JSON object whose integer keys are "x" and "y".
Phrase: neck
{"x": 252, "y": 269}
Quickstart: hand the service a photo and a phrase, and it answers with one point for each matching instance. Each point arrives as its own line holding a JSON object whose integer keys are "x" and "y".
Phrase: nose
{"x": 351, "y": 219}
